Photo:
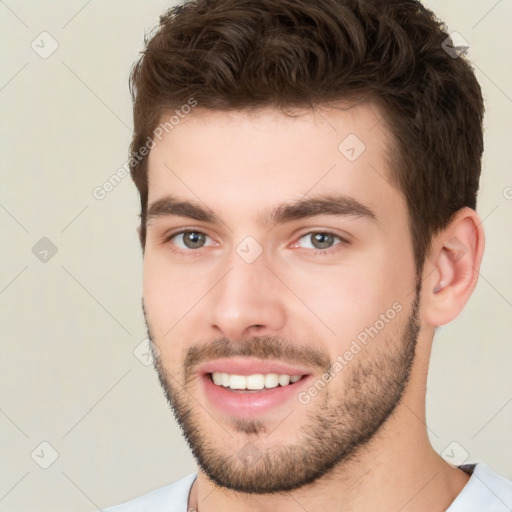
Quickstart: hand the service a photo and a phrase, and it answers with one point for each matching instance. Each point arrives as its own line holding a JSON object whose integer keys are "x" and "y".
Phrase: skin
{"x": 242, "y": 164}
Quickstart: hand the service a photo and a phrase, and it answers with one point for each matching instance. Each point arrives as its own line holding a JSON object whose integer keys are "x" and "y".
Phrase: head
{"x": 323, "y": 159}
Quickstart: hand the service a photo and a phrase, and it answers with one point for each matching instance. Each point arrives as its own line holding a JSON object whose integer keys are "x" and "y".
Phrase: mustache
{"x": 262, "y": 347}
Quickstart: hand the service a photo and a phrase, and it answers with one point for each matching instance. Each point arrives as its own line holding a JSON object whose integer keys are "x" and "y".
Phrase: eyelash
{"x": 317, "y": 252}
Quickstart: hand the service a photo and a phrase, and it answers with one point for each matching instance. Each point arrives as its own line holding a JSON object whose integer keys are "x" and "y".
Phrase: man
{"x": 308, "y": 174}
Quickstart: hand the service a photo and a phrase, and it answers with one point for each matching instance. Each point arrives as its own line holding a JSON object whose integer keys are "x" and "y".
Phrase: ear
{"x": 451, "y": 272}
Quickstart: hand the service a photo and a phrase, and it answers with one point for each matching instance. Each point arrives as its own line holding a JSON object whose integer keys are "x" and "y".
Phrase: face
{"x": 279, "y": 290}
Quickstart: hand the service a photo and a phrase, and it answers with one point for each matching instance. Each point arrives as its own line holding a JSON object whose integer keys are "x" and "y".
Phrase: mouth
{"x": 248, "y": 388}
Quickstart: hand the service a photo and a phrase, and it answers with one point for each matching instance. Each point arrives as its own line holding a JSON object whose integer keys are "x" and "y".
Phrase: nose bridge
{"x": 247, "y": 295}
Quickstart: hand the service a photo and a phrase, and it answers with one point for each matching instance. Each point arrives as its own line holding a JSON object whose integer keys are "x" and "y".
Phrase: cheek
{"x": 167, "y": 299}
{"x": 346, "y": 300}
{"x": 168, "y": 293}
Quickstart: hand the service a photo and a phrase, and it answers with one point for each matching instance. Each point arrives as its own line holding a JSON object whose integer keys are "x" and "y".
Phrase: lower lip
{"x": 249, "y": 404}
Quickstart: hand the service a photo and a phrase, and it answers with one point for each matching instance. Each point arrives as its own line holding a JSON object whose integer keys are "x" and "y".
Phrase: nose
{"x": 248, "y": 301}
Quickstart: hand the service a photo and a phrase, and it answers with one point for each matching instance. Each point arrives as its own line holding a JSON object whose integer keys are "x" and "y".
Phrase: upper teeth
{"x": 256, "y": 381}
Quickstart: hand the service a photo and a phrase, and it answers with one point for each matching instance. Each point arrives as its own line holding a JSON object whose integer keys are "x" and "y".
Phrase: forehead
{"x": 244, "y": 162}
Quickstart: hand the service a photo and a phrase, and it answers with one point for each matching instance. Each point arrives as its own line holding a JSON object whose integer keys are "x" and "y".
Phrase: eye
{"x": 188, "y": 240}
{"x": 321, "y": 241}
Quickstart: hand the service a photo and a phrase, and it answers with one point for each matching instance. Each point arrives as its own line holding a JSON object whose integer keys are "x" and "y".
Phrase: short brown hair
{"x": 247, "y": 54}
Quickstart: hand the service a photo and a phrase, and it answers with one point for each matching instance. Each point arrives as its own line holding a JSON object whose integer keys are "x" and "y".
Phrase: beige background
{"x": 68, "y": 373}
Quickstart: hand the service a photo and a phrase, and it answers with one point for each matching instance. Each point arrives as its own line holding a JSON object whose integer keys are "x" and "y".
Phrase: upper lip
{"x": 251, "y": 366}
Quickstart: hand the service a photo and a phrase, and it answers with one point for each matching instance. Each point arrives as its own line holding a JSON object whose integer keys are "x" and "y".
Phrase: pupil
{"x": 193, "y": 240}
{"x": 322, "y": 240}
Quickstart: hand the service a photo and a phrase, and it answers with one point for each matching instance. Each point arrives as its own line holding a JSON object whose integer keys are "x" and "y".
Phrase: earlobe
{"x": 455, "y": 262}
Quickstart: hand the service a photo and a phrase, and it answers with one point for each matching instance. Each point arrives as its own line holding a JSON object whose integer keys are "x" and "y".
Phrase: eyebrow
{"x": 332, "y": 204}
